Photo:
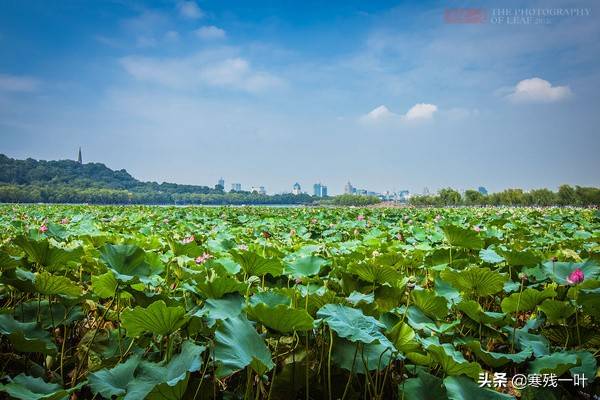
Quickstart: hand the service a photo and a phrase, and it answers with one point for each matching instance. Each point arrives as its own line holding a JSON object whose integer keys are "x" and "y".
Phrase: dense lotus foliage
{"x": 308, "y": 303}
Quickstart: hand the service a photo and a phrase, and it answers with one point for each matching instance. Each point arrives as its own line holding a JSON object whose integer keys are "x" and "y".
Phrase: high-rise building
{"x": 482, "y": 190}
{"x": 349, "y": 189}
{"x": 296, "y": 189}
{"x": 220, "y": 184}
{"x": 79, "y": 160}
{"x": 320, "y": 190}
{"x": 236, "y": 187}
{"x": 317, "y": 189}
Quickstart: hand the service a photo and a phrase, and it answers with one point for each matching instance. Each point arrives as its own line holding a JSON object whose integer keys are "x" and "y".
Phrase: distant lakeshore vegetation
{"x": 66, "y": 181}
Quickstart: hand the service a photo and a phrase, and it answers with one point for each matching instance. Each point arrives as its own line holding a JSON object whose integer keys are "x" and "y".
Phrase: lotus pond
{"x": 268, "y": 303}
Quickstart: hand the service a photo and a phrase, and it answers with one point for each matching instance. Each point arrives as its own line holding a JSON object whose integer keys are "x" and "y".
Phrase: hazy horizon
{"x": 388, "y": 96}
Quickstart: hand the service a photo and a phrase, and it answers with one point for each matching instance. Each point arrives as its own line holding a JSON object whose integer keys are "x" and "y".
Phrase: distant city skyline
{"x": 386, "y": 94}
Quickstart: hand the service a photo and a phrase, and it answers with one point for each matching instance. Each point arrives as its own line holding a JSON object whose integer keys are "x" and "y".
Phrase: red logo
{"x": 464, "y": 16}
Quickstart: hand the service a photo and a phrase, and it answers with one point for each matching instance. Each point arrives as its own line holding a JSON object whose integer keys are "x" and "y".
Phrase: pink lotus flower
{"x": 360, "y": 218}
{"x": 313, "y": 221}
{"x": 410, "y": 221}
{"x": 43, "y": 228}
{"x": 437, "y": 218}
{"x": 165, "y": 221}
{"x": 576, "y": 277}
{"x": 477, "y": 229}
{"x": 188, "y": 239}
{"x": 203, "y": 258}
{"x": 399, "y": 237}
{"x": 64, "y": 221}
{"x": 292, "y": 232}
{"x": 243, "y": 247}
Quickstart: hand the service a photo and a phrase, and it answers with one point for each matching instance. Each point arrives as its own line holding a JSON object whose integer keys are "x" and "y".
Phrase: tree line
{"x": 565, "y": 196}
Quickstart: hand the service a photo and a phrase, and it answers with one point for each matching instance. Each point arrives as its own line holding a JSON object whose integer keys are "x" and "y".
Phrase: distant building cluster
{"x": 237, "y": 187}
{"x": 319, "y": 190}
{"x": 398, "y": 196}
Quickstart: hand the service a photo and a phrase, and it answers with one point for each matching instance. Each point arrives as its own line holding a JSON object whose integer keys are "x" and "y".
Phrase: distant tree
{"x": 449, "y": 197}
{"x": 474, "y": 197}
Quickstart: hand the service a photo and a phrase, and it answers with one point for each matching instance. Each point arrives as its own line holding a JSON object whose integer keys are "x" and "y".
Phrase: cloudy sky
{"x": 389, "y": 95}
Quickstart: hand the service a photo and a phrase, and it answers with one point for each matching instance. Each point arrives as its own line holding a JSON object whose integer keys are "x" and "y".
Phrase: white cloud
{"x": 202, "y": 69}
{"x": 189, "y": 9}
{"x": 537, "y": 90}
{"x": 378, "y": 114}
{"x": 420, "y": 111}
{"x": 13, "y": 83}
{"x": 210, "y": 32}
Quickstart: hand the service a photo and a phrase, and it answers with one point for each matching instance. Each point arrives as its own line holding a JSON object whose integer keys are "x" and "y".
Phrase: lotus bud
{"x": 576, "y": 277}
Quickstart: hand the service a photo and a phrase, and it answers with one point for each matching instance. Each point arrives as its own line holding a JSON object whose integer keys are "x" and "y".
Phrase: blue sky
{"x": 385, "y": 94}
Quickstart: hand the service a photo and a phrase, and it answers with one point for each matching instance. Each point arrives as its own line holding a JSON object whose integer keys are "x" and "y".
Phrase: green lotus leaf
{"x": 254, "y": 264}
{"x": 589, "y": 299}
{"x": 305, "y": 266}
{"x": 374, "y": 273}
{"x": 128, "y": 262}
{"x": 27, "y": 337}
{"x": 48, "y": 284}
{"x": 420, "y": 322}
{"x": 520, "y": 258}
{"x": 560, "y": 271}
{"x": 451, "y": 360}
{"x": 114, "y": 381}
{"x": 270, "y": 299}
{"x": 403, "y": 337}
{"x": 229, "y": 306}
{"x": 360, "y": 357}
{"x": 424, "y": 387}
{"x": 444, "y": 289}
{"x": 49, "y": 315}
{"x": 104, "y": 285}
{"x": 352, "y": 324}
{"x": 497, "y": 360}
{"x": 43, "y": 253}
{"x": 26, "y": 387}
{"x": 462, "y": 237}
{"x": 238, "y": 345}
{"x": 588, "y": 367}
{"x": 525, "y": 340}
{"x": 189, "y": 360}
{"x": 475, "y": 281}
{"x": 8, "y": 262}
{"x": 490, "y": 256}
{"x": 157, "y": 318}
{"x": 281, "y": 318}
{"x": 218, "y": 286}
{"x": 462, "y": 388}
{"x": 555, "y": 363}
{"x": 357, "y": 297}
{"x": 556, "y": 310}
{"x": 526, "y": 300}
{"x": 432, "y": 305}
{"x": 474, "y": 311}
